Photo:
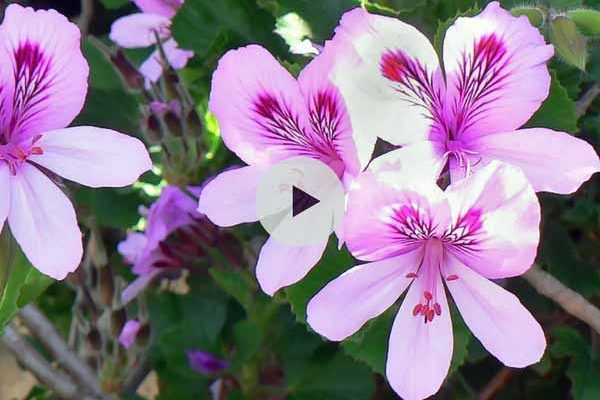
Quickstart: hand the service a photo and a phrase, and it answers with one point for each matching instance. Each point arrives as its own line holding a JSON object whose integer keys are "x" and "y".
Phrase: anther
{"x": 428, "y": 295}
{"x": 417, "y": 310}
{"x": 451, "y": 277}
{"x": 411, "y": 275}
{"x": 437, "y": 308}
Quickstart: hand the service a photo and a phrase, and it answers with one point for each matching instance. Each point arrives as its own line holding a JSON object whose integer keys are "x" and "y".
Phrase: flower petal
{"x": 129, "y": 333}
{"x": 139, "y": 30}
{"x": 43, "y": 73}
{"x": 496, "y": 317}
{"x": 419, "y": 353}
{"x": 260, "y": 109}
{"x": 421, "y": 158}
{"x": 390, "y": 213}
{"x": 133, "y": 246}
{"x": 328, "y": 116}
{"x": 389, "y": 81}
{"x": 282, "y": 265}
{"x": 166, "y": 8}
{"x": 230, "y": 198}
{"x": 94, "y": 157}
{"x": 343, "y": 306}
{"x": 496, "y": 71}
{"x": 552, "y": 161}
{"x": 152, "y": 68}
{"x": 496, "y": 216}
{"x": 43, "y": 222}
{"x": 138, "y": 285}
{"x": 4, "y": 194}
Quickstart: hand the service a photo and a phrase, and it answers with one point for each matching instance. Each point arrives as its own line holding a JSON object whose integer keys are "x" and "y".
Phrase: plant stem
{"x": 571, "y": 301}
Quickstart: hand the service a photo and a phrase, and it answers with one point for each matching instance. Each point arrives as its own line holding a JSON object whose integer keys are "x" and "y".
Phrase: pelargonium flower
{"x": 43, "y": 84}
{"x": 468, "y": 111}
{"x": 416, "y": 236}
{"x": 175, "y": 212}
{"x": 265, "y": 116}
{"x": 142, "y": 29}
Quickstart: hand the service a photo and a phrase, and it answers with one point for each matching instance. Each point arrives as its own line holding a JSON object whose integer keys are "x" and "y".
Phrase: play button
{"x": 300, "y": 201}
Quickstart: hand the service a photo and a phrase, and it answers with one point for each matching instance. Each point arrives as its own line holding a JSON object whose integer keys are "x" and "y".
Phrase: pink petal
{"x": 41, "y": 50}
{"x": 496, "y": 317}
{"x": 152, "y": 68}
{"x": 419, "y": 353}
{"x": 496, "y": 221}
{"x": 378, "y": 104}
{"x": 138, "y": 285}
{"x": 377, "y": 205}
{"x": 139, "y": 30}
{"x": 129, "y": 333}
{"x": 5, "y": 194}
{"x": 132, "y": 247}
{"x": 260, "y": 109}
{"x": 343, "y": 306}
{"x": 552, "y": 161}
{"x": 230, "y": 198}
{"x": 166, "y": 8}
{"x": 496, "y": 70}
{"x": 94, "y": 157}
{"x": 282, "y": 265}
{"x": 43, "y": 222}
{"x": 329, "y": 117}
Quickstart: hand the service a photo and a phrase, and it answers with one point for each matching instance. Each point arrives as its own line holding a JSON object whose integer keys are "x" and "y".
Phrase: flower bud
{"x": 143, "y": 336}
{"x": 570, "y": 45}
{"x": 106, "y": 286}
{"x": 194, "y": 124}
{"x": 173, "y": 122}
{"x": 132, "y": 77}
{"x": 536, "y": 15}
{"x": 205, "y": 363}
{"x": 118, "y": 318}
{"x": 588, "y": 21}
{"x": 93, "y": 339}
{"x": 153, "y": 129}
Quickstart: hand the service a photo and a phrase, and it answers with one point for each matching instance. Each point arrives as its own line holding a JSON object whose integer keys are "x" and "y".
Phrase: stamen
{"x": 451, "y": 278}
{"x": 411, "y": 275}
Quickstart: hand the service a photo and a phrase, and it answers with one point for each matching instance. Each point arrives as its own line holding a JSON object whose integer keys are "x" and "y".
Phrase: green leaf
{"x": 587, "y": 20}
{"x": 247, "y": 336}
{"x": 535, "y": 15}
{"x": 101, "y": 203}
{"x": 114, "y": 4}
{"x": 569, "y": 44}
{"x": 333, "y": 378}
{"x": 558, "y": 111}
{"x": 584, "y": 368}
{"x": 559, "y": 253}
{"x": 25, "y": 284}
{"x": 200, "y": 23}
{"x": 462, "y": 339}
{"x": 234, "y": 284}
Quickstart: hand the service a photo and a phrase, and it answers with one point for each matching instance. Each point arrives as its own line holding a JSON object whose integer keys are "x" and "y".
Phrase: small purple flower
{"x": 205, "y": 363}
{"x": 129, "y": 333}
{"x": 174, "y": 211}
{"x": 43, "y": 85}
{"x": 141, "y": 29}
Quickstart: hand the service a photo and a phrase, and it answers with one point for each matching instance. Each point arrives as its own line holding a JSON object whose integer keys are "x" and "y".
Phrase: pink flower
{"x": 416, "y": 236}
{"x": 174, "y": 211}
{"x": 142, "y": 29}
{"x": 129, "y": 333}
{"x": 266, "y": 116}
{"x": 43, "y": 86}
{"x": 494, "y": 78}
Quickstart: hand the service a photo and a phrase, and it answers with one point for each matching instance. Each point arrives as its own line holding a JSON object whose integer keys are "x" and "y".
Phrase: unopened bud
{"x": 153, "y": 129}
{"x": 132, "y": 77}
{"x": 588, "y": 21}
{"x": 173, "y": 122}
{"x": 570, "y": 45}
{"x": 536, "y": 15}
{"x": 118, "y": 318}
{"x": 194, "y": 124}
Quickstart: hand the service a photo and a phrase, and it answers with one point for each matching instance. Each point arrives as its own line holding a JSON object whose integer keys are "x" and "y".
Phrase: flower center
{"x": 15, "y": 154}
{"x": 465, "y": 157}
{"x": 428, "y": 273}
